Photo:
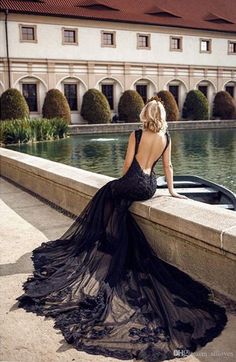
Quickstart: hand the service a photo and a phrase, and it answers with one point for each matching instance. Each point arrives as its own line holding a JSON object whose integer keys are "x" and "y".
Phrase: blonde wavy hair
{"x": 153, "y": 116}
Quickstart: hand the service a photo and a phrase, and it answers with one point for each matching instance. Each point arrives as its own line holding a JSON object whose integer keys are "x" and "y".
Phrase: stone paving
{"x": 25, "y": 223}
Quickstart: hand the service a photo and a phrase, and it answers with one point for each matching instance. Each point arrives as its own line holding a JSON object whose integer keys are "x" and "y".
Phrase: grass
{"x": 32, "y": 130}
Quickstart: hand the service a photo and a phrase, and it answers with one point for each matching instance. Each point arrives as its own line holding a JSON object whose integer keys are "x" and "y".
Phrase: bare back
{"x": 150, "y": 149}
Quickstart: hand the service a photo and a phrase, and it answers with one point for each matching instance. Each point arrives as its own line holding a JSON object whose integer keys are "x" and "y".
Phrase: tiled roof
{"x": 217, "y": 15}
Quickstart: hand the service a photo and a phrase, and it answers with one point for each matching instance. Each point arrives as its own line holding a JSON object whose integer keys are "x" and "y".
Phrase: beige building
{"x": 114, "y": 46}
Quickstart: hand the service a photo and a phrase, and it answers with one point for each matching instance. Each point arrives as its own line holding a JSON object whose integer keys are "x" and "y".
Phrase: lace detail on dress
{"x": 146, "y": 335}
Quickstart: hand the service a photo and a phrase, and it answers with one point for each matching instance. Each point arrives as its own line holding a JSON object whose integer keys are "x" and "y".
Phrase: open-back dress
{"x": 107, "y": 290}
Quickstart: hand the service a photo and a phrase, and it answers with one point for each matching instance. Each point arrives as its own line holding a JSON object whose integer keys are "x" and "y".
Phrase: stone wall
{"x": 197, "y": 238}
{"x": 128, "y": 127}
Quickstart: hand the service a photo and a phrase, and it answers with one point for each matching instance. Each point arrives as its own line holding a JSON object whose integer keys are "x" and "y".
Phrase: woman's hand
{"x": 175, "y": 194}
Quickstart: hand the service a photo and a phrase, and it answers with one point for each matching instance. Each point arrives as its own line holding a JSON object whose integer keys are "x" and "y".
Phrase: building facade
{"x": 40, "y": 51}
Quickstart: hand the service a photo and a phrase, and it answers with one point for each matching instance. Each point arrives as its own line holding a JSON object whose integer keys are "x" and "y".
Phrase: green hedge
{"x": 130, "y": 106}
{"x": 224, "y": 106}
{"x": 26, "y": 130}
{"x": 56, "y": 106}
{"x": 13, "y": 105}
{"x": 95, "y": 107}
{"x": 196, "y": 106}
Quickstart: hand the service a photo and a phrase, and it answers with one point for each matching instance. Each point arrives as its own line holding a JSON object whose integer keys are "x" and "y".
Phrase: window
{"x": 30, "y": 93}
{"x": 230, "y": 90}
{"x": 174, "y": 89}
{"x": 108, "y": 38}
{"x": 176, "y": 43}
{"x": 70, "y": 91}
{"x": 107, "y": 90}
{"x": 69, "y": 36}
{"x": 142, "y": 90}
{"x": 28, "y": 33}
{"x": 203, "y": 89}
{"x": 232, "y": 47}
{"x": 205, "y": 45}
{"x": 143, "y": 41}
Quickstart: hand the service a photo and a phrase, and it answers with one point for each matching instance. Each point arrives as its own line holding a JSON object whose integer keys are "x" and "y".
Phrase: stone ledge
{"x": 228, "y": 239}
{"x": 129, "y": 127}
{"x": 206, "y": 222}
{"x": 179, "y": 230}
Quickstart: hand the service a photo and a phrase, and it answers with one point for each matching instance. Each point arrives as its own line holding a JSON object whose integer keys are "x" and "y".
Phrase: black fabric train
{"x": 108, "y": 291}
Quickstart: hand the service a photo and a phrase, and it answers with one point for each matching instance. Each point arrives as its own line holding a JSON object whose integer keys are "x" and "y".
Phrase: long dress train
{"x": 109, "y": 292}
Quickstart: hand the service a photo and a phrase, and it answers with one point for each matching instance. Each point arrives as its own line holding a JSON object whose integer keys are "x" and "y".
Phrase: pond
{"x": 207, "y": 153}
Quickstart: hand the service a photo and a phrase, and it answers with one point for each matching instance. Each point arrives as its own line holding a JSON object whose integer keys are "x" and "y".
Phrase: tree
{"x": 56, "y": 106}
{"x": 196, "y": 106}
{"x": 13, "y": 105}
{"x": 95, "y": 107}
{"x": 224, "y": 106}
{"x": 130, "y": 106}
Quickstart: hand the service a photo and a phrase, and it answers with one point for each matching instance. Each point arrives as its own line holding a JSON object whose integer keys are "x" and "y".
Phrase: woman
{"x": 155, "y": 143}
{"x": 102, "y": 282}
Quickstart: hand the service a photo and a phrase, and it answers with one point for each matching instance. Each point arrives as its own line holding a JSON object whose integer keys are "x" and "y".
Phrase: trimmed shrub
{"x": 13, "y": 105}
{"x": 172, "y": 110}
{"x": 196, "y": 106}
{"x": 56, "y": 106}
{"x": 95, "y": 107}
{"x": 224, "y": 106}
{"x": 130, "y": 106}
{"x": 25, "y": 130}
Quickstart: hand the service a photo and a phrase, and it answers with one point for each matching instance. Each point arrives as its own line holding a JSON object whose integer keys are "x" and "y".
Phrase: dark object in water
{"x": 199, "y": 189}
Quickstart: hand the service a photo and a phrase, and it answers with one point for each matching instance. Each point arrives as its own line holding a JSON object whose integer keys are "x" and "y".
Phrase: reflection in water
{"x": 207, "y": 153}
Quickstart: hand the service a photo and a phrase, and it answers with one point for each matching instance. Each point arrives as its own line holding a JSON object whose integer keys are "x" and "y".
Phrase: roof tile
{"x": 182, "y": 13}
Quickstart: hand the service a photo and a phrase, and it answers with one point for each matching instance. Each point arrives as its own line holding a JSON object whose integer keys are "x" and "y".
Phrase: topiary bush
{"x": 172, "y": 110}
{"x": 196, "y": 106}
{"x": 13, "y": 105}
{"x": 95, "y": 107}
{"x": 56, "y": 106}
{"x": 224, "y": 106}
{"x": 130, "y": 106}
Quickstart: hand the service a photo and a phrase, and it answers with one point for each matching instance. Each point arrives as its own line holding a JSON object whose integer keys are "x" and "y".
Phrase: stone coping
{"x": 209, "y": 224}
{"x": 128, "y": 127}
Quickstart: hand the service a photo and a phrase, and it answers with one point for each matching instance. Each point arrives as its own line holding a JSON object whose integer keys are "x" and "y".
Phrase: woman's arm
{"x": 129, "y": 153}
{"x": 168, "y": 171}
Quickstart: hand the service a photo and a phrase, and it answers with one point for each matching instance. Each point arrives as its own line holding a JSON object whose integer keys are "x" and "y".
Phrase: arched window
{"x": 208, "y": 89}
{"x": 179, "y": 90}
{"x": 73, "y": 89}
{"x": 108, "y": 91}
{"x": 112, "y": 90}
{"x": 230, "y": 88}
{"x": 70, "y": 92}
{"x": 30, "y": 92}
{"x": 145, "y": 88}
{"x": 34, "y": 90}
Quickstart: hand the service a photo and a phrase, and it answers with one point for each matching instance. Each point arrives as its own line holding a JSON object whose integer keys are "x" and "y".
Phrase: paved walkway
{"x": 25, "y": 223}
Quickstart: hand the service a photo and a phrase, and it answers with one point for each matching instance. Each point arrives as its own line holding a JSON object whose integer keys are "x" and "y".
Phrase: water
{"x": 207, "y": 153}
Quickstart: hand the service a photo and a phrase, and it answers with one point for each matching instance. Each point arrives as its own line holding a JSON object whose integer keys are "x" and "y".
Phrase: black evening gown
{"x": 107, "y": 290}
